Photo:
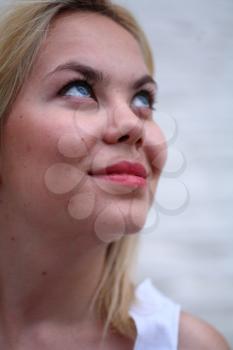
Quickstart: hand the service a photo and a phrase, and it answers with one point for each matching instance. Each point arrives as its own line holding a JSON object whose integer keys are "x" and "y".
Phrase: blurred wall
{"x": 187, "y": 246}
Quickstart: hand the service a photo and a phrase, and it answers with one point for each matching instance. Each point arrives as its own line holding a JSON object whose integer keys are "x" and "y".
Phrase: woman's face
{"x": 87, "y": 105}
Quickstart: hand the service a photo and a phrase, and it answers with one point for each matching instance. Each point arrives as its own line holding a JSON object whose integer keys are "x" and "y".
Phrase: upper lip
{"x": 123, "y": 167}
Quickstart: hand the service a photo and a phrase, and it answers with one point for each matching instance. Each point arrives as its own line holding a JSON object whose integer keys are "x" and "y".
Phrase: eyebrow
{"x": 95, "y": 76}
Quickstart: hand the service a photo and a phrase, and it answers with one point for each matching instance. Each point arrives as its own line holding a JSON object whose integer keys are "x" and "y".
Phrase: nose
{"x": 124, "y": 126}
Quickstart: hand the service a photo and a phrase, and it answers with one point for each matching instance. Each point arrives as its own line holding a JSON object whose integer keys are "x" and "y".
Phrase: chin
{"x": 135, "y": 227}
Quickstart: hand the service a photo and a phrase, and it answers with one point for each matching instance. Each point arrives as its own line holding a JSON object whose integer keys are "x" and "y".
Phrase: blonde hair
{"x": 23, "y": 27}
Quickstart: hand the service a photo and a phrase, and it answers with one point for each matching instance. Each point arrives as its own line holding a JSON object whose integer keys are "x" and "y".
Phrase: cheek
{"x": 29, "y": 149}
{"x": 90, "y": 126}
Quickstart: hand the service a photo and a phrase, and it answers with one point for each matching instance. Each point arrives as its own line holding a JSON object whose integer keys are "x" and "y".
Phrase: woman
{"x": 80, "y": 160}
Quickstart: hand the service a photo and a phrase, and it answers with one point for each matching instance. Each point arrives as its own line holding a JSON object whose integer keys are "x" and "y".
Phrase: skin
{"x": 50, "y": 258}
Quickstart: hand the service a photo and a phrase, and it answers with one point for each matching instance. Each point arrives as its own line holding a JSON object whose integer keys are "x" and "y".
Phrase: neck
{"x": 45, "y": 277}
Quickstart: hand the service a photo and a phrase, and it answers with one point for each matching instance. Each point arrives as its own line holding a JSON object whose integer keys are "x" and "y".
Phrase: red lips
{"x": 123, "y": 167}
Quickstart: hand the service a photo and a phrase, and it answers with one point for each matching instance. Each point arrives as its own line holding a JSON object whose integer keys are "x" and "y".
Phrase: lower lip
{"x": 124, "y": 179}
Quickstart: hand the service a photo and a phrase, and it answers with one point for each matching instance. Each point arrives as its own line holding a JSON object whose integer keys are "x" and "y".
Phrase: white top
{"x": 156, "y": 318}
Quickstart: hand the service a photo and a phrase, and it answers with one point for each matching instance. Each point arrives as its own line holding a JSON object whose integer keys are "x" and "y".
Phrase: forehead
{"x": 94, "y": 40}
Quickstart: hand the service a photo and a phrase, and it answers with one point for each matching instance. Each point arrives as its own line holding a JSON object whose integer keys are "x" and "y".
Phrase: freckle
{"x": 13, "y": 238}
{"x": 44, "y": 273}
{"x": 21, "y": 117}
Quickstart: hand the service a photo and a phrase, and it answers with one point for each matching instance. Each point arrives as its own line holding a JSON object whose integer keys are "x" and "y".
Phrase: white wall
{"x": 190, "y": 256}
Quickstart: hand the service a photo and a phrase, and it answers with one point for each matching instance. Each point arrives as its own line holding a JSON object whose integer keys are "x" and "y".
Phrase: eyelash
{"x": 146, "y": 92}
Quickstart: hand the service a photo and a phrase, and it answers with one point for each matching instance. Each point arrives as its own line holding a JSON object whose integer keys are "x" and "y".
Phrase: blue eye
{"x": 77, "y": 88}
{"x": 144, "y": 99}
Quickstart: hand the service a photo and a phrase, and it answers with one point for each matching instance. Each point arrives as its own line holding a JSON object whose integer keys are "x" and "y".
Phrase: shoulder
{"x": 197, "y": 334}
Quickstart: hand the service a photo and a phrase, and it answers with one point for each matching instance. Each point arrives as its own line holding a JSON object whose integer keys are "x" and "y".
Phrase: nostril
{"x": 123, "y": 138}
{"x": 139, "y": 143}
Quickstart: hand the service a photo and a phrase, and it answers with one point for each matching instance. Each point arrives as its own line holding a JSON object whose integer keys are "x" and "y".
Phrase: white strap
{"x": 156, "y": 318}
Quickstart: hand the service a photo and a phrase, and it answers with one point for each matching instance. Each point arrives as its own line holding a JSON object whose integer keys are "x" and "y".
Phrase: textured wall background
{"x": 190, "y": 256}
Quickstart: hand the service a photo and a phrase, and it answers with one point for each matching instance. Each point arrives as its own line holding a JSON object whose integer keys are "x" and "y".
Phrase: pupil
{"x": 142, "y": 100}
{"x": 79, "y": 90}
{"x": 83, "y": 91}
